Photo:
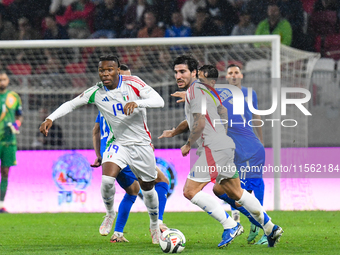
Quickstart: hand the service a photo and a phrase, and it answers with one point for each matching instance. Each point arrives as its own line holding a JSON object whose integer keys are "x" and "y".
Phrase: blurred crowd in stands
{"x": 311, "y": 25}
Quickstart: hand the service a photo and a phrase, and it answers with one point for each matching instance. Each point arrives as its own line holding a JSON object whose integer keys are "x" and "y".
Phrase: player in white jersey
{"x": 203, "y": 114}
{"x": 123, "y": 101}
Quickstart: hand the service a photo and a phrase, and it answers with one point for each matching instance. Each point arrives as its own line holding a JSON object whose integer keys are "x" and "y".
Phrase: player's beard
{"x": 2, "y": 88}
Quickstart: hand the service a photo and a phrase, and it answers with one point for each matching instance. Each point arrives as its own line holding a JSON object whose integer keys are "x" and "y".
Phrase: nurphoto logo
{"x": 238, "y": 100}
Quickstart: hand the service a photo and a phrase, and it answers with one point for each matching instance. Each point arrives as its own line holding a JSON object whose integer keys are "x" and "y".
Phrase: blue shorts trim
{"x": 251, "y": 170}
{"x": 252, "y": 184}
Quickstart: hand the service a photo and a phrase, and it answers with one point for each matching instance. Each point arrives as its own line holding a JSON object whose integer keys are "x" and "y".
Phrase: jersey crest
{"x": 125, "y": 95}
{"x": 10, "y": 101}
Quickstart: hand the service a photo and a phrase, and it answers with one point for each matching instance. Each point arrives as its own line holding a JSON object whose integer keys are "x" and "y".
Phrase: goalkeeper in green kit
{"x": 10, "y": 122}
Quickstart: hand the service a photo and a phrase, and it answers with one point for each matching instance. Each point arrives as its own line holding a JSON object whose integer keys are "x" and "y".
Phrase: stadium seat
{"x": 20, "y": 69}
{"x": 324, "y": 22}
{"x": 77, "y": 68}
{"x": 308, "y": 5}
{"x": 220, "y": 65}
{"x": 7, "y": 2}
{"x": 86, "y": 53}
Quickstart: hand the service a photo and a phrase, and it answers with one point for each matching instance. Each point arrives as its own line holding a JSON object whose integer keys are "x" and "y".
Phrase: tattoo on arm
{"x": 197, "y": 128}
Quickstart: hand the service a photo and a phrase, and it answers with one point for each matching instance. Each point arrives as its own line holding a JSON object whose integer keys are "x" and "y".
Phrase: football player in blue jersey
{"x": 249, "y": 154}
{"x": 127, "y": 180}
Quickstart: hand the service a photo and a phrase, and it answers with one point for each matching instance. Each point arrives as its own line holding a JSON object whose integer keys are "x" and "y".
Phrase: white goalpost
{"x": 46, "y": 73}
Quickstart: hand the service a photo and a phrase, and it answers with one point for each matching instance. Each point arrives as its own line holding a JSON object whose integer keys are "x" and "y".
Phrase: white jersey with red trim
{"x": 199, "y": 99}
{"x": 126, "y": 130}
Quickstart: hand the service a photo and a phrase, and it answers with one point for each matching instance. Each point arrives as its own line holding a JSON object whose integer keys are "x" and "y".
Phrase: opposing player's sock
{"x": 253, "y": 206}
{"x": 259, "y": 192}
{"x": 3, "y": 189}
{"x": 241, "y": 209}
{"x": 151, "y": 201}
{"x": 162, "y": 189}
{"x": 108, "y": 191}
{"x": 213, "y": 208}
{"x": 124, "y": 211}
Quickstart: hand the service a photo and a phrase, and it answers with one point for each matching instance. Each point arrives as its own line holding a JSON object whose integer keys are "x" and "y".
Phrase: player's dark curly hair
{"x": 124, "y": 67}
{"x": 110, "y": 58}
{"x": 209, "y": 71}
{"x": 188, "y": 60}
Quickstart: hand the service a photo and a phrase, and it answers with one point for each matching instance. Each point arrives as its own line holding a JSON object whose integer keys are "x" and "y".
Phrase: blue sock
{"x": 259, "y": 192}
{"x": 230, "y": 201}
{"x": 124, "y": 211}
{"x": 162, "y": 189}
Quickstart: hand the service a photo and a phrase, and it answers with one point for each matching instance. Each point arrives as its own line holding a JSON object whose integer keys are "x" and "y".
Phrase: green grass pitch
{"x": 305, "y": 232}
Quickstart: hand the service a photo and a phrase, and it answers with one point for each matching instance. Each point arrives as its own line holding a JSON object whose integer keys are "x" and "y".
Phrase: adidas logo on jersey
{"x": 105, "y": 99}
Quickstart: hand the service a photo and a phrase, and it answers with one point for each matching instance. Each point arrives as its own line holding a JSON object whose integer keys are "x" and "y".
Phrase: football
{"x": 172, "y": 241}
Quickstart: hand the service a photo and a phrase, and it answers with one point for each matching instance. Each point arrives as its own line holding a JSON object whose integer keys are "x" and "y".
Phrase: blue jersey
{"x": 246, "y": 142}
{"x": 182, "y": 31}
{"x": 104, "y": 132}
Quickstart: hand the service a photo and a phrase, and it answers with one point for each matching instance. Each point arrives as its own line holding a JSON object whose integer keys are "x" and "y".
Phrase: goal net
{"x": 48, "y": 73}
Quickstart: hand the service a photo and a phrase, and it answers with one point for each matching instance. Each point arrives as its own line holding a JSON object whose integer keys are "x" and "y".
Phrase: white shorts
{"x": 213, "y": 165}
{"x": 140, "y": 158}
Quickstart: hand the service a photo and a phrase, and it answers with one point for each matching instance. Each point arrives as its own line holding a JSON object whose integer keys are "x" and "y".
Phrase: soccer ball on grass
{"x": 172, "y": 241}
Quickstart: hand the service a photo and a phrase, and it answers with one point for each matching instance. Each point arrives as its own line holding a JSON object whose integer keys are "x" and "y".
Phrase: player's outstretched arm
{"x": 149, "y": 98}
{"x": 45, "y": 126}
{"x": 64, "y": 109}
{"x": 181, "y": 128}
{"x": 196, "y": 131}
{"x": 180, "y": 94}
{"x": 167, "y": 134}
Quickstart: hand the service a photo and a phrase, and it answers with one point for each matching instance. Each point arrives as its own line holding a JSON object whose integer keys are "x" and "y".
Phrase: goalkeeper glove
{"x": 15, "y": 127}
